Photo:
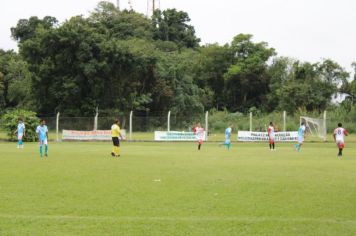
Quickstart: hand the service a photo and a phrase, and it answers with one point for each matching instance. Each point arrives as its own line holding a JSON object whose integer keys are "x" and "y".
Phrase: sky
{"x": 308, "y": 30}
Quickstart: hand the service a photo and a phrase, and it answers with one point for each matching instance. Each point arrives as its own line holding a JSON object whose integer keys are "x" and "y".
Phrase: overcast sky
{"x": 304, "y": 29}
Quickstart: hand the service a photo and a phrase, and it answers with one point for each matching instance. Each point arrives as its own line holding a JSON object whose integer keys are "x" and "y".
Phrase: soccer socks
{"x": 46, "y": 150}
{"x": 41, "y": 151}
{"x": 340, "y": 152}
{"x": 115, "y": 151}
{"x": 199, "y": 146}
{"x": 273, "y": 145}
{"x": 270, "y": 146}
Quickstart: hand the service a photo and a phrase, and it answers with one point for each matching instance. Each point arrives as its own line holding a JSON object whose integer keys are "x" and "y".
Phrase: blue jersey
{"x": 228, "y": 133}
{"x": 42, "y": 132}
{"x": 21, "y": 128}
{"x": 301, "y": 131}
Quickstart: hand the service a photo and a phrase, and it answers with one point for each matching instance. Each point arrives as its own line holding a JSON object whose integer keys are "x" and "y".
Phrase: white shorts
{"x": 19, "y": 136}
{"x": 41, "y": 142}
{"x": 300, "y": 139}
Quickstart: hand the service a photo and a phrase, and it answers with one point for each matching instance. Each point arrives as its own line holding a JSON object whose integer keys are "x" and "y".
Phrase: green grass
{"x": 173, "y": 189}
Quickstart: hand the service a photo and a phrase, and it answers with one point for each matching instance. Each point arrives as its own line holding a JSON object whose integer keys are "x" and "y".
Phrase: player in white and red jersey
{"x": 271, "y": 135}
{"x": 199, "y": 134}
{"x": 339, "y": 137}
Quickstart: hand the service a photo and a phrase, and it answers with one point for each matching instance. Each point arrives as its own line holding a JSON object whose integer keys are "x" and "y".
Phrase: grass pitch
{"x": 174, "y": 189}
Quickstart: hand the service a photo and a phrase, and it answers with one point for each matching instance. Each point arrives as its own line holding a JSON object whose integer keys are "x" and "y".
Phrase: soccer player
{"x": 115, "y": 134}
{"x": 20, "y": 131}
{"x": 301, "y": 134}
{"x": 228, "y": 132}
{"x": 42, "y": 134}
{"x": 271, "y": 135}
{"x": 339, "y": 134}
{"x": 199, "y": 134}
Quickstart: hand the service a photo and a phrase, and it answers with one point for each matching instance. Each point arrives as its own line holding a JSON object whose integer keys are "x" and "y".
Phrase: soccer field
{"x": 174, "y": 189}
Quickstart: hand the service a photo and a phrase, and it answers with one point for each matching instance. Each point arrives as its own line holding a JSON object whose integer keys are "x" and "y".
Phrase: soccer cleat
{"x": 112, "y": 154}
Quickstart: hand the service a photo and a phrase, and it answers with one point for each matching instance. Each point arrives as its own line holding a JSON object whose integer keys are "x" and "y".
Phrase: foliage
{"x": 121, "y": 60}
{"x": 15, "y": 81}
{"x": 10, "y": 119}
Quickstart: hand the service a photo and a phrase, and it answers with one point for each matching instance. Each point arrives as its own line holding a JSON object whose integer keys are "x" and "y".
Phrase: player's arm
{"x": 16, "y": 131}
{"x": 334, "y": 136}
{"x": 346, "y": 133}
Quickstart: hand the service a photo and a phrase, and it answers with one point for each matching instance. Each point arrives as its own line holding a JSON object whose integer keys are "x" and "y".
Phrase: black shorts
{"x": 116, "y": 141}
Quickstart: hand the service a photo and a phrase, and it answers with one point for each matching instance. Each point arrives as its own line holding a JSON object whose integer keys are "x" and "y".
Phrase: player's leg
{"x": 19, "y": 141}
{"x": 116, "y": 147}
{"x": 46, "y": 147}
{"x": 40, "y": 146}
{"x": 273, "y": 144}
{"x": 199, "y": 144}
{"x": 113, "y": 147}
{"x": 228, "y": 144}
{"x": 300, "y": 146}
{"x": 341, "y": 146}
{"x": 117, "y": 153}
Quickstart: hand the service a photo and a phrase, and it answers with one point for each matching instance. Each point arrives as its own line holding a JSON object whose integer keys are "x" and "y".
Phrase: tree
{"x": 172, "y": 25}
{"x": 27, "y": 28}
{"x": 15, "y": 81}
{"x": 304, "y": 85}
{"x": 212, "y": 63}
{"x": 247, "y": 78}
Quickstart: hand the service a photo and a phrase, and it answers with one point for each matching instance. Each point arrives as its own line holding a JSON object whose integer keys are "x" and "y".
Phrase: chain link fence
{"x": 142, "y": 126}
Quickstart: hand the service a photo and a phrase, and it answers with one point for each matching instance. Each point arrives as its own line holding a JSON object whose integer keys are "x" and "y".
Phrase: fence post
{"x": 57, "y": 126}
{"x": 96, "y": 119}
{"x": 169, "y": 121}
{"x": 284, "y": 120}
{"x": 207, "y": 125}
{"x": 325, "y": 129}
{"x": 131, "y": 125}
{"x": 250, "y": 121}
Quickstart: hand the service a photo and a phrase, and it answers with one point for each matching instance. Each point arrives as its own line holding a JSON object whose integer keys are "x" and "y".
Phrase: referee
{"x": 115, "y": 134}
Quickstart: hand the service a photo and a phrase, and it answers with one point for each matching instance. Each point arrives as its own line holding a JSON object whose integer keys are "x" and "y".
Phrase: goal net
{"x": 314, "y": 126}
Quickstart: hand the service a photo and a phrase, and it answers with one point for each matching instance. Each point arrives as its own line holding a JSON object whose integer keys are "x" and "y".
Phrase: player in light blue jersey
{"x": 228, "y": 132}
{"x": 301, "y": 134}
{"x": 20, "y": 131}
{"x": 42, "y": 134}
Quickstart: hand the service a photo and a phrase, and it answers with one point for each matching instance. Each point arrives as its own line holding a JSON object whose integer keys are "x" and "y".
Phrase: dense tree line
{"x": 122, "y": 60}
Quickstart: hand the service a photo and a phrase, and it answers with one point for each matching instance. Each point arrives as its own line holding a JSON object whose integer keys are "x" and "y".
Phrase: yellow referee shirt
{"x": 115, "y": 130}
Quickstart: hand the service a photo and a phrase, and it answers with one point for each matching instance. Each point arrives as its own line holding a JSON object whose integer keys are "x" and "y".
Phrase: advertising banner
{"x": 248, "y": 136}
{"x": 176, "y": 136}
{"x": 99, "y": 135}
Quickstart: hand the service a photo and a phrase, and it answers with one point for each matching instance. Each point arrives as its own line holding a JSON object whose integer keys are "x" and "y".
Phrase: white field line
{"x": 175, "y": 219}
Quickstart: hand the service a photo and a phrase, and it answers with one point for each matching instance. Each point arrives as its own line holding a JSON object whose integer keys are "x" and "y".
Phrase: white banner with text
{"x": 248, "y": 136}
{"x": 100, "y": 135}
{"x": 176, "y": 136}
